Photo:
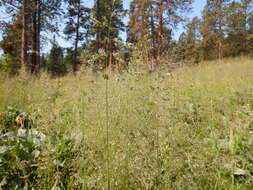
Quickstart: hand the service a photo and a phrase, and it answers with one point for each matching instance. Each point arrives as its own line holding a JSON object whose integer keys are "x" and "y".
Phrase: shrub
{"x": 10, "y": 65}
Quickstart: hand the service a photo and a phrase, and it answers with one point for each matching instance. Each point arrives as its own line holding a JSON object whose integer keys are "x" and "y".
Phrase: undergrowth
{"x": 191, "y": 129}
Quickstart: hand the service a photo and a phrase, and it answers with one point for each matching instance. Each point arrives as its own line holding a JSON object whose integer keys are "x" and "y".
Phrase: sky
{"x": 197, "y": 9}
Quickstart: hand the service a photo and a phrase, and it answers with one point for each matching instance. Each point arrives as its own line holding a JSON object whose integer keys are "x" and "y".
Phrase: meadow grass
{"x": 191, "y": 129}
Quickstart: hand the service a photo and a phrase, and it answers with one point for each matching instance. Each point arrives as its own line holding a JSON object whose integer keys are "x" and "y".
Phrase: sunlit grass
{"x": 165, "y": 131}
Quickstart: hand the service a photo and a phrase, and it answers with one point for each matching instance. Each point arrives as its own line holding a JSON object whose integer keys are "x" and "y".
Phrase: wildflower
{"x": 56, "y": 112}
{"x": 2, "y": 113}
{"x": 20, "y": 120}
{"x": 72, "y": 178}
{"x": 40, "y": 158}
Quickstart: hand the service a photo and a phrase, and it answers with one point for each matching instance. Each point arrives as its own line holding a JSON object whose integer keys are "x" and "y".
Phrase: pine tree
{"x": 181, "y": 48}
{"x": 43, "y": 15}
{"x": 236, "y": 30}
{"x": 247, "y": 6}
{"x": 153, "y": 21}
{"x": 169, "y": 15}
{"x": 77, "y": 26}
{"x": 24, "y": 42}
{"x": 10, "y": 45}
{"x": 55, "y": 64}
{"x": 107, "y": 24}
{"x": 11, "y": 37}
{"x": 139, "y": 26}
{"x": 17, "y": 9}
{"x": 213, "y": 28}
{"x": 34, "y": 51}
{"x": 37, "y": 16}
{"x": 192, "y": 38}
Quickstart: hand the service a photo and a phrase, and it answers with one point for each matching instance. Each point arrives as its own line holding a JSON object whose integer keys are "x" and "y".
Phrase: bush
{"x": 10, "y": 65}
{"x": 59, "y": 165}
{"x": 19, "y": 149}
{"x": 25, "y": 161}
{"x": 18, "y": 161}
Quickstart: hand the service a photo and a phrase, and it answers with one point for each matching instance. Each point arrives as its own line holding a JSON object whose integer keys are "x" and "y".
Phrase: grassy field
{"x": 192, "y": 129}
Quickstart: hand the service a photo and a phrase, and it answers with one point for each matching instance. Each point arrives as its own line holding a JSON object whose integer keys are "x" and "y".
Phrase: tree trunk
{"x": 24, "y": 35}
{"x": 98, "y": 28}
{"x": 160, "y": 33}
{"x": 77, "y": 38}
{"x": 153, "y": 38}
{"x": 38, "y": 33}
{"x": 110, "y": 60}
{"x": 219, "y": 6}
{"x": 34, "y": 65}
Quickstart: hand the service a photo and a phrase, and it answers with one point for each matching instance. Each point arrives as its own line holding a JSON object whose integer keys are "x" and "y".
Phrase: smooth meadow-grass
{"x": 164, "y": 131}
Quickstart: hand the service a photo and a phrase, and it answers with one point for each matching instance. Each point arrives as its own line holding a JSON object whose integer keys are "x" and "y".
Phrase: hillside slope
{"x": 192, "y": 129}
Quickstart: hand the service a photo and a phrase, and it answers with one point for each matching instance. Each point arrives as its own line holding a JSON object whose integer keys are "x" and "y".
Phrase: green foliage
{"x": 19, "y": 149}
{"x": 17, "y": 163}
{"x": 55, "y": 64}
{"x": 96, "y": 61}
{"x": 25, "y": 161}
{"x": 180, "y": 49}
{"x": 11, "y": 38}
{"x": 99, "y": 61}
{"x": 151, "y": 25}
{"x": 108, "y": 23}
{"x": 60, "y": 160}
{"x": 76, "y": 10}
{"x": 225, "y": 29}
{"x": 10, "y": 65}
{"x": 187, "y": 48}
{"x": 77, "y": 26}
{"x": 7, "y": 118}
{"x": 236, "y": 41}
